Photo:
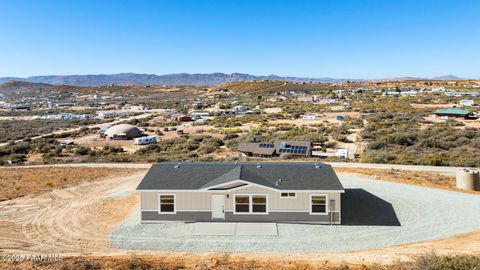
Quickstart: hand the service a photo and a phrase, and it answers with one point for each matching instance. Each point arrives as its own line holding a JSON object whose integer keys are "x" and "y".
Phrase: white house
{"x": 467, "y": 102}
{"x": 309, "y": 117}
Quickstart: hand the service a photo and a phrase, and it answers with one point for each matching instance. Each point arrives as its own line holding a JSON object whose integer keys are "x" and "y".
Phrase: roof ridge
{"x": 226, "y": 177}
{"x": 259, "y": 180}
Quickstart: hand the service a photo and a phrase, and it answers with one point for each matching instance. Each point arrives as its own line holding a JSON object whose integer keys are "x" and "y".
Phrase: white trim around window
{"x": 326, "y": 204}
{"x": 174, "y": 204}
{"x": 250, "y": 204}
{"x": 289, "y": 195}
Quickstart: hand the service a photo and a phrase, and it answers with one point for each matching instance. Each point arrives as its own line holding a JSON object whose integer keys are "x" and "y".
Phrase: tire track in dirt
{"x": 77, "y": 219}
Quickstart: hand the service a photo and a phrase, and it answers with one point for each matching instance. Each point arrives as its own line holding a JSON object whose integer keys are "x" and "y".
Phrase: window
{"x": 250, "y": 204}
{"x": 167, "y": 204}
{"x": 318, "y": 204}
{"x": 242, "y": 204}
{"x": 288, "y": 195}
{"x": 259, "y": 204}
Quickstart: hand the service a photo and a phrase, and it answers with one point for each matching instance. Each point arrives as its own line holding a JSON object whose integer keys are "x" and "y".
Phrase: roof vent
{"x": 259, "y": 165}
{"x": 277, "y": 183}
{"x": 317, "y": 165}
{"x": 177, "y": 166}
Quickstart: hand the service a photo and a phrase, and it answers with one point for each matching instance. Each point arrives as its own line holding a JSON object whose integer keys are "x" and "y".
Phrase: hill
{"x": 152, "y": 79}
{"x": 448, "y": 78}
{"x": 22, "y": 86}
{"x": 187, "y": 79}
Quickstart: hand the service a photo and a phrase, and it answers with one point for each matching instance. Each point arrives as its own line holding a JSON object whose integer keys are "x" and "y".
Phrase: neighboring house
{"x": 200, "y": 114}
{"x": 401, "y": 93}
{"x": 467, "y": 102}
{"x": 107, "y": 114}
{"x": 181, "y": 118}
{"x": 123, "y": 132}
{"x": 135, "y": 107}
{"x": 241, "y": 108}
{"x": 409, "y": 93}
{"x": 309, "y": 117}
{"x": 20, "y": 106}
{"x": 459, "y": 94}
{"x": 392, "y": 93}
{"x": 342, "y": 153}
{"x": 243, "y": 192}
{"x": 453, "y": 112}
{"x": 265, "y": 149}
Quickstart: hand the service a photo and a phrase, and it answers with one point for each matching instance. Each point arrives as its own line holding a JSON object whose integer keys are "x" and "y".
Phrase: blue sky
{"x": 337, "y": 38}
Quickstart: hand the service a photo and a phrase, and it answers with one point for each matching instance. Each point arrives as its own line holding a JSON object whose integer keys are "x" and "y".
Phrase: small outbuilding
{"x": 123, "y": 132}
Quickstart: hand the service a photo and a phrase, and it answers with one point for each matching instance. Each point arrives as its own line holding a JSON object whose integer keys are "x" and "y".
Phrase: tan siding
{"x": 202, "y": 200}
{"x": 193, "y": 201}
{"x": 148, "y": 200}
{"x": 276, "y": 202}
{"x": 184, "y": 200}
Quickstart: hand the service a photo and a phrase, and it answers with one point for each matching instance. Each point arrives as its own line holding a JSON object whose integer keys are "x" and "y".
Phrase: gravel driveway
{"x": 375, "y": 214}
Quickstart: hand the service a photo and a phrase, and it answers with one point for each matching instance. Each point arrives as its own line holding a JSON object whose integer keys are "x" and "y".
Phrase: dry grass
{"x": 169, "y": 261}
{"x": 25, "y": 181}
{"x": 429, "y": 261}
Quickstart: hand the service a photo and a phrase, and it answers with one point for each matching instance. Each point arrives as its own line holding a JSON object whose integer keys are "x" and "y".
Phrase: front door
{"x": 218, "y": 207}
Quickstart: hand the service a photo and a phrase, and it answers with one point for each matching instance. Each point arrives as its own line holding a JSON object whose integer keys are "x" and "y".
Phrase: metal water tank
{"x": 468, "y": 179}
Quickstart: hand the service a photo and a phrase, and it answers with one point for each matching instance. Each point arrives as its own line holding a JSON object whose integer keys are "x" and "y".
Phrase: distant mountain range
{"x": 438, "y": 78}
{"x": 178, "y": 79}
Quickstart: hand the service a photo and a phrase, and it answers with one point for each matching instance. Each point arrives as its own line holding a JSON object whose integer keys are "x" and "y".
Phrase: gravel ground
{"x": 375, "y": 214}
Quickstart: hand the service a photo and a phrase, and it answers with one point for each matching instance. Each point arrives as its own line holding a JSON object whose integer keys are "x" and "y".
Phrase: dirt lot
{"x": 20, "y": 182}
{"x": 420, "y": 178}
{"x": 431, "y": 106}
{"x": 77, "y": 221}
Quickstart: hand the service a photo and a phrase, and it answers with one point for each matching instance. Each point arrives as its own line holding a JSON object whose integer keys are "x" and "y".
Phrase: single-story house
{"x": 241, "y": 108}
{"x": 241, "y": 192}
{"x": 453, "y": 112}
{"x": 467, "y": 102}
{"x": 181, "y": 118}
{"x": 107, "y": 114}
{"x": 123, "y": 132}
{"x": 277, "y": 148}
{"x": 309, "y": 117}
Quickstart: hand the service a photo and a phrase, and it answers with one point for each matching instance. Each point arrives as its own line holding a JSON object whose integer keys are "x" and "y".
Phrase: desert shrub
{"x": 399, "y": 139}
{"x": 230, "y": 136}
{"x": 82, "y": 151}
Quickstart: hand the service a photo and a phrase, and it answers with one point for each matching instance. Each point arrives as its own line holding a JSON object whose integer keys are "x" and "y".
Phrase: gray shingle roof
{"x": 193, "y": 176}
